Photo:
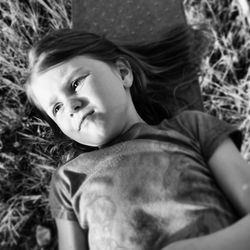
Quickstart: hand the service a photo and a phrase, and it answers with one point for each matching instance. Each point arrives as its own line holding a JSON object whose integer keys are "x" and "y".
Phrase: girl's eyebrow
{"x": 67, "y": 79}
{"x": 52, "y": 101}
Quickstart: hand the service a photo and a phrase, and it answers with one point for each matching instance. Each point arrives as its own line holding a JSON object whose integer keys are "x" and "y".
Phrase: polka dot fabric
{"x": 137, "y": 20}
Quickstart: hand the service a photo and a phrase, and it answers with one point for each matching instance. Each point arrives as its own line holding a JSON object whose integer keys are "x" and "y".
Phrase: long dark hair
{"x": 157, "y": 66}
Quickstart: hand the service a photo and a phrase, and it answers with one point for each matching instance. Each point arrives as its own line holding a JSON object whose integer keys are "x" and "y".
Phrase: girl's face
{"x": 89, "y": 100}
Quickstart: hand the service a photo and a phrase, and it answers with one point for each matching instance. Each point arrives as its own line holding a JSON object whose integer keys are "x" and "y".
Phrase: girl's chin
{"x": 95, "y": 141}
{"x": 90, "y": 119}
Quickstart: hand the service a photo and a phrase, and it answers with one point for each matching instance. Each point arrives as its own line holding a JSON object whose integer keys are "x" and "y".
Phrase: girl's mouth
{"x": 84, "y": 118}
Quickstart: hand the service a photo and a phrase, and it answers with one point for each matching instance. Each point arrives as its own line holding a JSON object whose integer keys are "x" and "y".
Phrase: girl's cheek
{"x": 61, "y": 123}
{"x": 63, "y": 126}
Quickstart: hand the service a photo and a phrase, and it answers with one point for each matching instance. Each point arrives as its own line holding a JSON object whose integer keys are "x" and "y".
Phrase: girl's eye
{"x": 56, "y": 108}
{"x": 78, "y": 83}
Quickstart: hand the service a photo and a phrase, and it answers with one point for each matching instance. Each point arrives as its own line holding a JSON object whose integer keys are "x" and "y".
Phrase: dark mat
{"x": 127, "y": 19}
{"x": 138, "y": 20}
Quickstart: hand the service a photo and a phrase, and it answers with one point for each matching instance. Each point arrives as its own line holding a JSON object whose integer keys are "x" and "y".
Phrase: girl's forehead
{"x": 62, "y": 69}
{"x": 83, "y": 62}
{"x": 48, "y": 83}
{"x": 44, "y": 87}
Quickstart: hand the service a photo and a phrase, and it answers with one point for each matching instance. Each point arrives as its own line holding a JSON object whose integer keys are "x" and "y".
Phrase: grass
{"x": 226, "y": 71}
{"x": 27, "y": 156}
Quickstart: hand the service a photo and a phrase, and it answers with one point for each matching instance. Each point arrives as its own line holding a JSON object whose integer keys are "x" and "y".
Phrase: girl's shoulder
{"x": 195, "y": 121}
{"x": 209, "y": 131}
{"x": 186, "y": 120}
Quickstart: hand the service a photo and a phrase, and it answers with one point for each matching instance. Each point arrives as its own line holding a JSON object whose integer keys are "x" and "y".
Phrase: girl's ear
{"x": 125, "y": 72}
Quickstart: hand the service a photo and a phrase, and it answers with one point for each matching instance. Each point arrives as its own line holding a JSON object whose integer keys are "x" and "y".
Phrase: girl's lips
{"x": 84, "y": 118}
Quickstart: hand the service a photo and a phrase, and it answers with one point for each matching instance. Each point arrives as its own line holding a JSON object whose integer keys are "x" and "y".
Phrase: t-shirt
{"x": 150, "y": 187}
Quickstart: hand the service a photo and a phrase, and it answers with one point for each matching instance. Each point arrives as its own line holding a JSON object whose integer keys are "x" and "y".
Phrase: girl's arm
{"x": 235, "y": 237}
{"x": 233, "y": 175}
{"x": 71, "y": 236}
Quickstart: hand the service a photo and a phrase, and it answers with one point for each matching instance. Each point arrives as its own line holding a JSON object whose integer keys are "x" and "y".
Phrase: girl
{"x": 140, "y": 181}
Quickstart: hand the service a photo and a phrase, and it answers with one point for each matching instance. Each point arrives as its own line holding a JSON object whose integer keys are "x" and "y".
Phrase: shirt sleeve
{"x": 208, "y": 130}
{"x": 59, "y": 197}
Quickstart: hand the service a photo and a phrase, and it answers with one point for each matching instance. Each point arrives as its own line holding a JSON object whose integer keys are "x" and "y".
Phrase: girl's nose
{"x": 75, "y": 106}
